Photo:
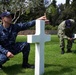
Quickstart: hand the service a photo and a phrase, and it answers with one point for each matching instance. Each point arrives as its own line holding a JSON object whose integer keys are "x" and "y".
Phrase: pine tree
{"x": 54, "y": 3}
{"x": 67, "y": 2}
{"x": 73, "y": 8}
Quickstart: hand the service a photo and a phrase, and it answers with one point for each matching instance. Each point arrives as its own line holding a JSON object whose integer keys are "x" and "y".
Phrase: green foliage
{"x": 50, "y": 27}
{"x": 35, "y": 11}
{"x": 32, "y": 28}
{"x": 73, "y": 6}
{"x": 67, "y": 2}
{"x": 35, "y": 8}
{"x": 47, "y": 27}
{"x": 51, "y": 10}
{"x": 23, "y": 8}
{"x": 52, "y": 13}
{"x": 69, "y": 12}
{"x": 57, "y": 13}
{"x": 54, "y": 3}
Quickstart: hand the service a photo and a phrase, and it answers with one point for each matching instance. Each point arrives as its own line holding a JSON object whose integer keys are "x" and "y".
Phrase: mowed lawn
{"x": 55, "y": 62}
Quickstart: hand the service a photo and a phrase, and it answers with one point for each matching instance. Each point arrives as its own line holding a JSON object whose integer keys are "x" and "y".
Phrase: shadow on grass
{"x": 51, "y": 65}
{"x": 13, "y": 70}
{"x": 16, "y": 69}
{"x": 61, "y": 71}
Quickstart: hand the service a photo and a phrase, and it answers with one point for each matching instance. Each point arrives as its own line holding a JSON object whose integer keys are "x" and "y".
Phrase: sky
{"x": 48, "y": 2}
{"x": 61, "y": 1}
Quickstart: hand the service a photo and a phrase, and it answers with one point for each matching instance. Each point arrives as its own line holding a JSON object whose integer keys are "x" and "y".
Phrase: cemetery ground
{"x": 55, "y": 62}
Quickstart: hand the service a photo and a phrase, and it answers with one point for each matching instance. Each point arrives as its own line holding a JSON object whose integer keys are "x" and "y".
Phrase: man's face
{"x": 7, "y": 19}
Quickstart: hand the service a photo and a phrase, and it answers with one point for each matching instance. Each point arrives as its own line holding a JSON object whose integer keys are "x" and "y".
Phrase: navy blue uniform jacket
{"x": 8, "y": 36}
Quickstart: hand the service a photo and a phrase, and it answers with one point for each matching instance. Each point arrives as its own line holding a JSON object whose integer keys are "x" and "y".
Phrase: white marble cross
{"x": 39, "y": 39}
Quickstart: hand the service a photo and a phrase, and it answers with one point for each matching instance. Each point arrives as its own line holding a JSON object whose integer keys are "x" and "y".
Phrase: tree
{"x": 18, "y": 7}
{"x": 68, "y": 12}
{"x": 52, "y": 13}
{"x": 74, "y": 0}
{"x": 54, "y": 3}
{"x": 67, "y": 2}
{"x": 37, "y": 7}
{"x": 73, "y": 8}
{"x": 4, "y": 5}
{"x": 35, "y": 10}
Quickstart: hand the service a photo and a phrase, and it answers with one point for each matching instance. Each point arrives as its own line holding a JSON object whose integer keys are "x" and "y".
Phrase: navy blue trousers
{"x": 23, "y": 47}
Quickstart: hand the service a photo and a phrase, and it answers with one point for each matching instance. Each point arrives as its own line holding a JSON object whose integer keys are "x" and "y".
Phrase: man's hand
{"x": 44, "y": 18}
{"x": 70, "y": 39}
{"x": 9, "y": 55}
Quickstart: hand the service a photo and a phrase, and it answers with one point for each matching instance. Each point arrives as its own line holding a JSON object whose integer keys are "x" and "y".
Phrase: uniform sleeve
{"x": 61, "y": 26}
{"x": 24, "y": 26}
{"x": 3, "y": 50}
{"x": 61, "y": 30}
{"x": 61, "y": 34}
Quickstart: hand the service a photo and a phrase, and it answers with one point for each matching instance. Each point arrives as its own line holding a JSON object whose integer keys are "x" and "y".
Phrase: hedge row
{"x": 47, "y": 27}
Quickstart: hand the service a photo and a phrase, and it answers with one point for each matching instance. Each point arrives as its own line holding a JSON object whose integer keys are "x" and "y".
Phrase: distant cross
{"x": 39, "y": 39}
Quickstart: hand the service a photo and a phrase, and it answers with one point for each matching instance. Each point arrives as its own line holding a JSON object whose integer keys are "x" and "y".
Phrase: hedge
{"x": 47, "y": 27}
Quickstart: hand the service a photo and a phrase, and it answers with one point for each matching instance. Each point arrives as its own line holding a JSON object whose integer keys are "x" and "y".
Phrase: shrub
{"x": 47, "y": 27}
{"x": 50, "y": 27}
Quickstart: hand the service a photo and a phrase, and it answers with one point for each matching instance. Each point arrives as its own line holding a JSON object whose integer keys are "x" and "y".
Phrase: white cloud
{"x": 61, "y": 1}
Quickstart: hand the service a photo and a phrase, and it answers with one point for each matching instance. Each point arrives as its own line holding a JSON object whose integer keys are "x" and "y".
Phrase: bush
{"x": 50, "y": 27}
{"x": 47, "y": 27}
{"x": 32, "y": 28}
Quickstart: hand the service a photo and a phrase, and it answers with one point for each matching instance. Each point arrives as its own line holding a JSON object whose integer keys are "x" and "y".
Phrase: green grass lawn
{"x": 55, "y": 63}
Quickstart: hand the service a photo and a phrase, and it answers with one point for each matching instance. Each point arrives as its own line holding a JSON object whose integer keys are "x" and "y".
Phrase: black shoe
{"x": 0, "y": 67}
{"x": 62, "y": 52}
{"x": 69, "y": 51}
{"x": 28, "y": 66}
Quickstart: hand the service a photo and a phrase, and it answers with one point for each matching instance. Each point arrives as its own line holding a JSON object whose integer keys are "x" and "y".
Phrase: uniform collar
{"x": 5, "y": 29}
